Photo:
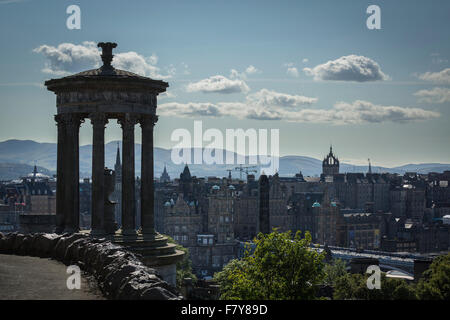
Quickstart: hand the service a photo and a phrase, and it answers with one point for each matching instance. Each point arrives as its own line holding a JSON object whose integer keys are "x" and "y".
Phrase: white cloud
{"x": 435, "y": 95}
{"x": 292, "y": 71}
{"x": 269, "y": 98}
{"x": 252, "y": 70}
{"x": 218, "y": 84}
{"x": 348, "y": 68}
{"x": 191, "y": 109}
{"x": 134, "y": 62}
{"x": 271, "y": 105}
{"x": 69, "y": 58}
{"x": 442, "y": 77}
{"x": 167, "y": 95}
{"x": 366, "y": 112}
{"x": 235, "y": 74}
{"x": 305, "y": 60}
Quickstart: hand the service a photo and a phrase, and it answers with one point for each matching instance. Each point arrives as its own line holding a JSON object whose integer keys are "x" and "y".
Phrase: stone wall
{"x": 120, "y": 273}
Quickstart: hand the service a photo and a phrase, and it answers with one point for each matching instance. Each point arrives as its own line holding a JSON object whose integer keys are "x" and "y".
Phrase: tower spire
{"x": 118, "y": 154}
{"x": 35, "y": 170}
{"x": 370, "y": 167}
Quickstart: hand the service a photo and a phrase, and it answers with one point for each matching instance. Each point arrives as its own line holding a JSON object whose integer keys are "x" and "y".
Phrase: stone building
{"x": 408, "y": 201}
{"x": 327, "y": 218}
{"x": 330, "y": 164}
{"x": 360, "y": 230}
{"x": 246, "y": 207}
{"x": 101, "y": 95}
{"x": 182, "y": 221}
{"x": 39, "y": 196}
{"x": 302, "y": 206}
{"x": 280, "y": 217}
{"x": 264, "y": 205}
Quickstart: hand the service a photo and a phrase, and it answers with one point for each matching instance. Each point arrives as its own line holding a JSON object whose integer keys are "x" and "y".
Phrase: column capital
{"x": 68, "y": 119}
{"x": 60, "y": 119}
{"x": 128, "y": 120}
{"x": 147, "y": 120}
{"x": 98, "y": 118}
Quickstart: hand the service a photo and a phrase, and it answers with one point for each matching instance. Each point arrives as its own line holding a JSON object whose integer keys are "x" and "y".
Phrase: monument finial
{"x": 107, "y": 55}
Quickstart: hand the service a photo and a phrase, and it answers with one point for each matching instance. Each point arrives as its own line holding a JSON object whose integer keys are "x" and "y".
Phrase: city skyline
{"x": 270, "y": 61}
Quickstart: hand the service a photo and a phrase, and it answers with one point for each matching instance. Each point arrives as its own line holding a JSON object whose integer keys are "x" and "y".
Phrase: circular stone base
{"x": 154, "y": 248}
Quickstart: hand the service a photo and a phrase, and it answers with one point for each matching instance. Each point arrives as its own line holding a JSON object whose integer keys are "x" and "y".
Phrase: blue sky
{"x": 301, "y": 57}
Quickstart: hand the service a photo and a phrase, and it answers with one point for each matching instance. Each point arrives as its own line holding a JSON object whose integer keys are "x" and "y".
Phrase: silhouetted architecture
{"x": 264, "y": 213}
{"x": 330, "y": 165}
{"x": 99, "y": 95}
{"x": 165, "y": 178}
{"x": 117, "y": 195}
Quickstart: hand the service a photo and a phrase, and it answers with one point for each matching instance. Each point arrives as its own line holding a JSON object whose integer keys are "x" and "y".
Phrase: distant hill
{"x": 17, "y": 158}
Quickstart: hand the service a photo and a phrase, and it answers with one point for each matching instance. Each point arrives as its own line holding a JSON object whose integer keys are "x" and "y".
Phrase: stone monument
{"x": 100, "y": 95}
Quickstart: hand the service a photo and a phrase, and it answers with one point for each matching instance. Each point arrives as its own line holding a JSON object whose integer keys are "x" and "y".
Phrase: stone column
{"x": 60, "y": 168}
{"x": 147, "y": 173}
{"x": 99, "y": 122}
{"x": 127, "y": 122}
{"x": 71, "y": 173}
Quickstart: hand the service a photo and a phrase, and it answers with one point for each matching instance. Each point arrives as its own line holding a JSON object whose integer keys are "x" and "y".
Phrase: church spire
{"x": 118, "y": 155}
{"x": 35, "y": 170}
{"x": 164, "y": 176}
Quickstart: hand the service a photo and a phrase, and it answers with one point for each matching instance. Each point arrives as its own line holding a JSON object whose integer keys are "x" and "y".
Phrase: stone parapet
{"x": 120, "y": 273}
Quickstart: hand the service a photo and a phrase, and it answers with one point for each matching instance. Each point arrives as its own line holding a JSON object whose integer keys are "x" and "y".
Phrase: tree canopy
{"x": 281, "y": 267}
{"x": 435, "y": 282}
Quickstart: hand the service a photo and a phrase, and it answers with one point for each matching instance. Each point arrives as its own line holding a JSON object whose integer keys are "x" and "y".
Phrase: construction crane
{"x": 246, "y": 169}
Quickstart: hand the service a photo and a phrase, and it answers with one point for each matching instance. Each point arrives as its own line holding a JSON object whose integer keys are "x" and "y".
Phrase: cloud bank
{"x": 348, "y": 68}
{"x": 270, "y": 105}
{"x": 218, "y": 84}
{"x": 435, "y": 95}
{"x": 441, "y": 77}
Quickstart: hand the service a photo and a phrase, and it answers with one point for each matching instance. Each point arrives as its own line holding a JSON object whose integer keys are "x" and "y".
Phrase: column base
{"x": 97, "y": 232}
{"x": 147, "y": 231}
{"x": 128, "y": 232}
{"x": 71, "y": 230}
{"x": 59, "y": 230}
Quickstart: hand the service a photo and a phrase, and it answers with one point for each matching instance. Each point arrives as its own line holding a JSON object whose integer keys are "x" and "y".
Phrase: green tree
{"x": 184, "y": 267}
{"x": 281, "y": 267}
{"x": 354, "y": 286}
{"x": 333, "y": 271}
{"x": 435, "y": 283}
